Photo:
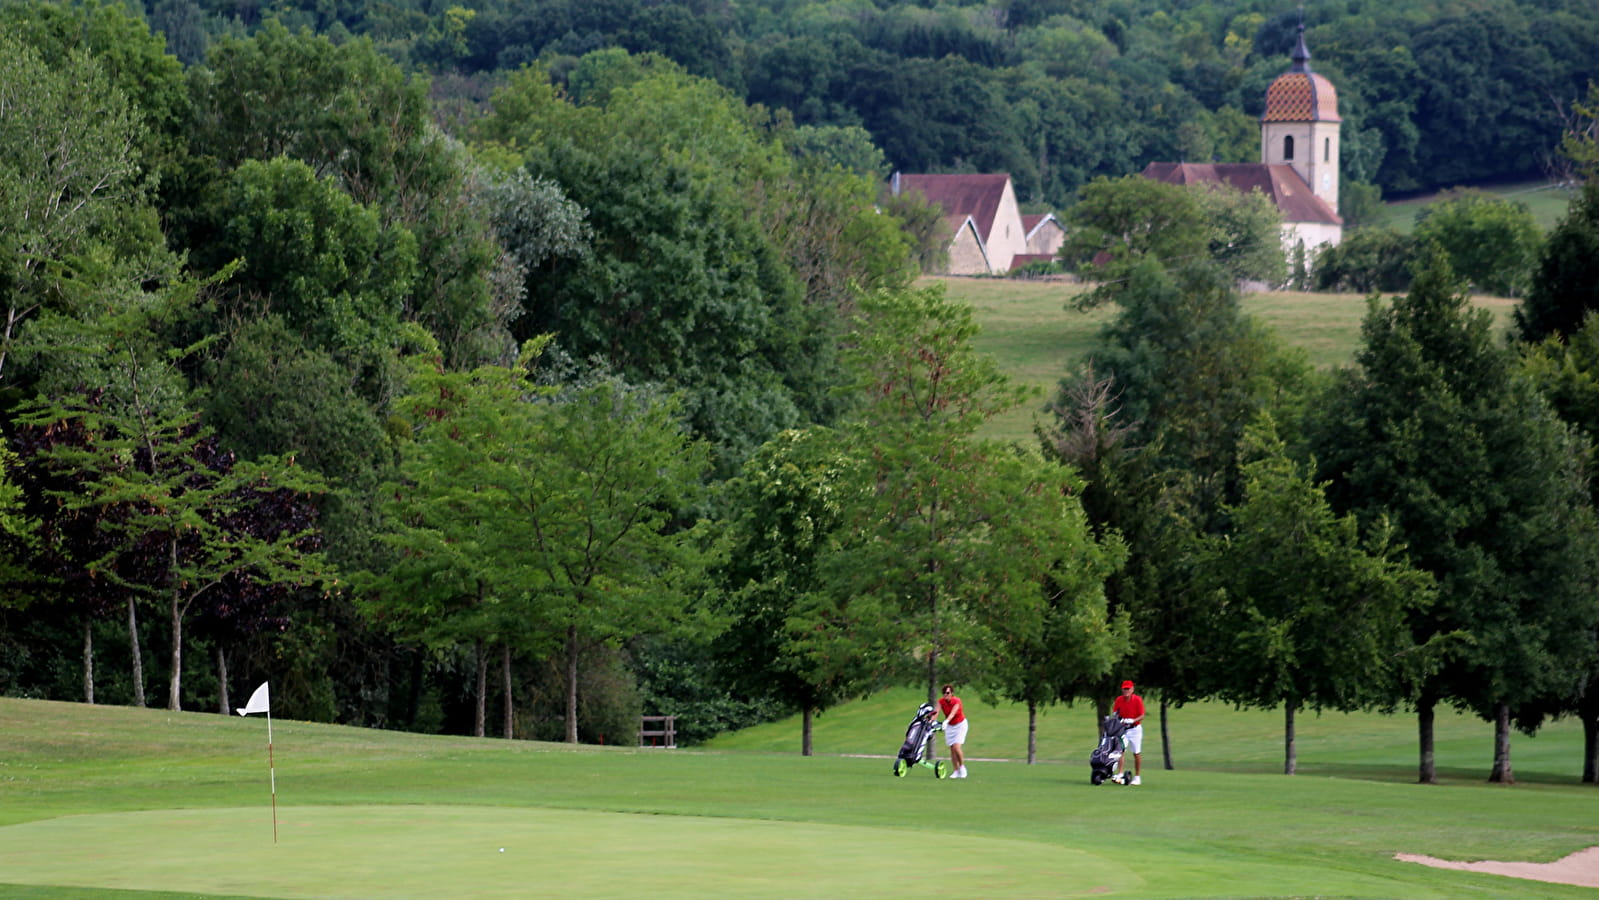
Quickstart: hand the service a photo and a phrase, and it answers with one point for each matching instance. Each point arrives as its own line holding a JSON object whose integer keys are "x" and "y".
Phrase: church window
{"x": 1326, "y": 149}
{"x": 1288, "y": 147}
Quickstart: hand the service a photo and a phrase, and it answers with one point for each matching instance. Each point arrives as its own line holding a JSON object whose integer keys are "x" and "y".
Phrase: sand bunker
{"x": 1580, "y": 868}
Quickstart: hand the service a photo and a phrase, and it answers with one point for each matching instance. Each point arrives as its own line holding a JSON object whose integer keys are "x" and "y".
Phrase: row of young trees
{"x": 1417, "y": 529}
{"x": 1055, "y": 92}
{"x": 624, "y": 389}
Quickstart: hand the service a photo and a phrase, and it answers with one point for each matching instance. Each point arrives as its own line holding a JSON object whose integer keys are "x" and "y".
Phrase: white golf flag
{"x": 260, "y": 701}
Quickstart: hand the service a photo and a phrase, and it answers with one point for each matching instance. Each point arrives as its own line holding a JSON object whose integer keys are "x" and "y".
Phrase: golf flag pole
{"x": 261, "y": 701}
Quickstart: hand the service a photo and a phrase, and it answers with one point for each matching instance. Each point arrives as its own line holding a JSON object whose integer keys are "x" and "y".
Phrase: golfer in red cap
{"x": 1129, "y": 707}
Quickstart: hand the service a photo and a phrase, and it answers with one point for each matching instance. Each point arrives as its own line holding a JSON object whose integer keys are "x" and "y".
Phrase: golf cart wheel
{"x": 900, "y": 768}
{"x": 938, "y": 769}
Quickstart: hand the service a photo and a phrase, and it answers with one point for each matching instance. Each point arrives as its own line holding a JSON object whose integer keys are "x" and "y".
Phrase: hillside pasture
{"x": 1037, "y": 336}
{"x": 1546, "y": 200}
{"x": 96, "y": 802}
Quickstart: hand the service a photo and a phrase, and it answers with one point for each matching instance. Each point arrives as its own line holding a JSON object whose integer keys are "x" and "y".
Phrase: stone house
{"x": 988, "y": 229}
{"x": 1045, "y": 235}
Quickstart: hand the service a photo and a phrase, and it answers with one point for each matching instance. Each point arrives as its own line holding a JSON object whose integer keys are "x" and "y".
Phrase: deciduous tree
{"x": 684, "y": 286}
{"x": 183, "y": 522}
{"x": 953, "y": 539}
{"x": 1565, "y": 284}
{"x": 1492, "y": 243}
{"x": 356, "y": 119}
{"x": 1310, "y": 612}
{"x": 69, "y": 168}
{"x": 543, "y": 521}
{"x": 1127, "y": 497}
{"x": 1436, "y": 432}
{"x": 785, "y": 509}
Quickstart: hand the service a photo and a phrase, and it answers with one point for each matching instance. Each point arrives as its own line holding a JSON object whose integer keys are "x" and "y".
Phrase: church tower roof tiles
{"x": 1300, "y": 95}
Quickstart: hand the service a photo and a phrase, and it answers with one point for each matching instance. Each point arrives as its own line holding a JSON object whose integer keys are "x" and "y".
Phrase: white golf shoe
{"x": 1137, "y": 780}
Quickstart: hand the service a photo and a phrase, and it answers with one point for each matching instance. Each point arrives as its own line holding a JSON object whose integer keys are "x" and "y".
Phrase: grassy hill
{"x": 1546, "y": 200}
{"x": 110, "y": 802}
{"x": 1036, "y": 337}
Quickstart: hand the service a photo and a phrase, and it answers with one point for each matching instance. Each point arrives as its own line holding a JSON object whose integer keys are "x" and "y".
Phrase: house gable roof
{"x": 1281, "y": 184}
{"x": 977, "y": 196}
{"x": 1031, "y": 223}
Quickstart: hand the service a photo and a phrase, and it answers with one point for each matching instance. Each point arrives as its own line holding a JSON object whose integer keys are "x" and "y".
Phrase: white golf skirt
{"x": 956, "y": 734}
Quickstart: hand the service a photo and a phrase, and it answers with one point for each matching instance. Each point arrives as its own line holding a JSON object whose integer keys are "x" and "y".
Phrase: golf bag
{"x": 914, "y": 751}
{"x": 1112, "y": 744}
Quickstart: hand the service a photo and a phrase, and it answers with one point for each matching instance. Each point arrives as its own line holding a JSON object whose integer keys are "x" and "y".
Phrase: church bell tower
{"x": 1300, "y": 126}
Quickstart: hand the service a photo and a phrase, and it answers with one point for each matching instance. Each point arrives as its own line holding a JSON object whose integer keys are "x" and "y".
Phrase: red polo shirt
{"x": 954, "y": 712}
{"x": 1130, "y": 706}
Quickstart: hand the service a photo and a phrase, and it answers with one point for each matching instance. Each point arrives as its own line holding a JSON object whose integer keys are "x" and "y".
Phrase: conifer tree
{"x": 1437, "y": 431}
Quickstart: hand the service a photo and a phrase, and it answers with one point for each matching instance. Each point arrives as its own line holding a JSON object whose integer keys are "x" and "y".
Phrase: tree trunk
{"x": 1290, "y": 745}
{"x": 222, "y": 679}
{"x": 932, "y": 695}
{"x": 1590, "y": 748}
{"x": 1425, "y": 707}
{"x": 1165, "y": 733}
{"x": 1032, "y": 732}
{"x": 571, "y": 684}
{"x": 138, "y": 656}
{"x": 805, "y": 731}
{"x": 505, "y": 670}
{"x": 175, "y": 683}
{"x": 88, "y": 658}
{"x": 413, "y": 697}
{"x": 1502, "y": 773}
{"x": 383, "y": 689}
{"x": 1588, "y": 712}
{"x": 480, "y": 689}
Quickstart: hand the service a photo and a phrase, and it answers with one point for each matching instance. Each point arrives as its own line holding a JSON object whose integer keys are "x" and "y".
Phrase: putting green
{"x": 438, "y": 851}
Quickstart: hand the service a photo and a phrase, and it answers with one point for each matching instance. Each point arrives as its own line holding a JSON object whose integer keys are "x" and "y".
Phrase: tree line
{"x": 623, "y": 396}
{"x": 1055, "y": 92}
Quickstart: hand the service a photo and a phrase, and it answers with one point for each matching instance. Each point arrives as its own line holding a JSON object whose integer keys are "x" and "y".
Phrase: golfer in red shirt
{"x": 1129, "y": 707}
{"x": 954, "y": 729}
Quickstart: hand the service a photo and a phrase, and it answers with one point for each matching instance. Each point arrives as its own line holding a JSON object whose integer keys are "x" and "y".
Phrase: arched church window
{"x": 1288, "y": 147}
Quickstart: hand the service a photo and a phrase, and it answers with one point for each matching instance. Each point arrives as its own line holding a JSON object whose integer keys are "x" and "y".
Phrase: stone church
{"x": 1298, "y": 168}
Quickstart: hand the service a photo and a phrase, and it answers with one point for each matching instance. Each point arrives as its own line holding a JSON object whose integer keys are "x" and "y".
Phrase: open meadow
{"x": 111, "y": 802}
{"x": 1548, "y": 202}
{"x": 1036, "y": 336}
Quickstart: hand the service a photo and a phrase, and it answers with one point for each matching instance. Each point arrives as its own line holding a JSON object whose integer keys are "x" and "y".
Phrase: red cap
{"x": 1126, "y": 685}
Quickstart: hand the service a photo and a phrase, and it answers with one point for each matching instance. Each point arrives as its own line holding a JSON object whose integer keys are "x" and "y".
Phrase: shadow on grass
{"x": 1446, "y": 775}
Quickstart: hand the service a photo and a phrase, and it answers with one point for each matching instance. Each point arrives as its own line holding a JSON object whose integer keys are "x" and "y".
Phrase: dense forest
{"x": 1434, "y": 93}
{"x": 573, "y": 360}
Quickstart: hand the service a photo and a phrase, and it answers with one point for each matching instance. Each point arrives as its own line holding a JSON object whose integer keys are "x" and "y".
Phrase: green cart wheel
{"x": 900, "y": 768}
{"x": 938, "y": 769}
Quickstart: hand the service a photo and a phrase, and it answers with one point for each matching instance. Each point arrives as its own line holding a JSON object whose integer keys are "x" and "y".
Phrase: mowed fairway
{"x": 98, "y": 801}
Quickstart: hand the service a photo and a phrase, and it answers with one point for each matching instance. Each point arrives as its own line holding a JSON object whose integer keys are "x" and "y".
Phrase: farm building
{"x": 989, "y": 231}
